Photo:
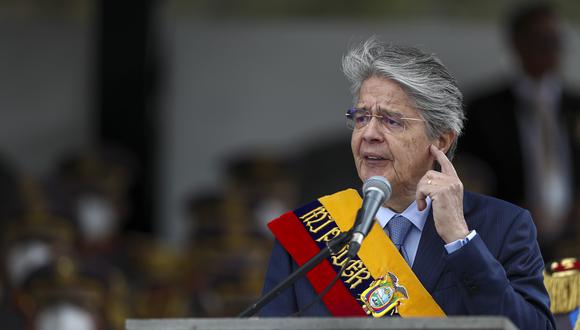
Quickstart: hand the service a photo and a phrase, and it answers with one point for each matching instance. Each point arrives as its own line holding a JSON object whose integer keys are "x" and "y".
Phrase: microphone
{"x": 376, "y": 191}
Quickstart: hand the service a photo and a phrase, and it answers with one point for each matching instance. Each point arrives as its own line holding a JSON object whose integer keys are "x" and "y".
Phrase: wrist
{"x": 457, "y": 235}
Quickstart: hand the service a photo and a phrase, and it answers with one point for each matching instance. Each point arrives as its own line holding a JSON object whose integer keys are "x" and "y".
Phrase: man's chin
{"x": 371, "y": 174}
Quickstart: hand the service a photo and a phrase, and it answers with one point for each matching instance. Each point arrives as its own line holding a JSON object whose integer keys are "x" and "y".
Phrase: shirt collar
{"x": 418, "y": 218}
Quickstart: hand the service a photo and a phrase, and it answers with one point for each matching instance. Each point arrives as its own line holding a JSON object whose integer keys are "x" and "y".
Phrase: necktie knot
{"x": 399, "y": 227}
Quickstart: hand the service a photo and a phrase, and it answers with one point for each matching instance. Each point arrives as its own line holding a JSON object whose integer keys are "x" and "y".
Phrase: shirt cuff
{"x": 458, "y": 244}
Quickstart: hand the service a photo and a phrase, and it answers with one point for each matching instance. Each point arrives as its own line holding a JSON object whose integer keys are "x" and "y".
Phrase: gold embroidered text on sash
{"x": 318, "y": 219}
{"x": 314, "y": 217}
{"x": 356, "y": 273}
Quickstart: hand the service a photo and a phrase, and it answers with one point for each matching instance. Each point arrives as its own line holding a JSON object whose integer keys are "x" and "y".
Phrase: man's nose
{"x": 373, "y": 131}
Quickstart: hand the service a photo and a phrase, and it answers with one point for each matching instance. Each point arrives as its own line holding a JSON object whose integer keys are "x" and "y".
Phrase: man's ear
{"x": 445, "y": 140}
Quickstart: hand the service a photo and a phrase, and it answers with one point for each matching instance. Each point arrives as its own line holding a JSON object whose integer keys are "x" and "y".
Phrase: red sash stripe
{"x": 294, "y": 237}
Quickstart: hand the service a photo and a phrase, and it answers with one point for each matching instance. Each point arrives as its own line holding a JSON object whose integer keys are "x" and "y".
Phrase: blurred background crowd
{"x": 144, "y": 145}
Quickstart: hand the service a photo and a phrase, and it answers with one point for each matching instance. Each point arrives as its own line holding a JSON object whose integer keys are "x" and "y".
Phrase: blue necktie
{"x": 399, "y": 228}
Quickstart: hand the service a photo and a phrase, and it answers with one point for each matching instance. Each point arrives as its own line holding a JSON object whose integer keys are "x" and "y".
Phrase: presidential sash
{"x": 376, "y": 282}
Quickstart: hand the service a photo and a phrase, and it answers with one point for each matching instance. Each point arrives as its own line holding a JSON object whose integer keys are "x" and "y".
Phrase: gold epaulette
{"x": 562, "y": 280}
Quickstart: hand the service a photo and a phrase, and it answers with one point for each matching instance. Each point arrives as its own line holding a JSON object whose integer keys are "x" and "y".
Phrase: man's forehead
{"x": 384, "y": 99}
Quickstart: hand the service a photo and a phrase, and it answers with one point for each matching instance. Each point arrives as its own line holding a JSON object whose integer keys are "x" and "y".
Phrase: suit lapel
{"x": 429, "y": 261}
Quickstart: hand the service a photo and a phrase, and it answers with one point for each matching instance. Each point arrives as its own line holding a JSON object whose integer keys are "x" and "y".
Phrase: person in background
{"x": 527, "y": 130}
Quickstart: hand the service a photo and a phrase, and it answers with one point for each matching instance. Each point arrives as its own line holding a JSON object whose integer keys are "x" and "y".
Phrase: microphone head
{"x": 378, "y": 183}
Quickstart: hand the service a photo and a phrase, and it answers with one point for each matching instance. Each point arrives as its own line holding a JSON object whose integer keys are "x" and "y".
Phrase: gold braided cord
{"x": 564, "y": 291}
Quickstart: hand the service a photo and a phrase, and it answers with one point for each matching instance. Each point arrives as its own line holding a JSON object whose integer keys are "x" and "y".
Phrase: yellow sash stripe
{"x": 380, "y": 255}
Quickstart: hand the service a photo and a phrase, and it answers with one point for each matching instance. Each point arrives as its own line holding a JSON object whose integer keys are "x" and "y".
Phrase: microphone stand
{"x": 333, "y": 246}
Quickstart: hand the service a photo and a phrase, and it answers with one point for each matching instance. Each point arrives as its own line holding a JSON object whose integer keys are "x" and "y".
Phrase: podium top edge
{"x": 459, "y": 322}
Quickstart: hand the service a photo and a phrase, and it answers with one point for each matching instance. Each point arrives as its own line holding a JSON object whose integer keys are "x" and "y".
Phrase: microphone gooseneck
{"x": 376, "y": 190}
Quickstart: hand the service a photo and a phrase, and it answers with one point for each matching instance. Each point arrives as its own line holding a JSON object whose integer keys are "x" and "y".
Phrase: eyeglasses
{"x": 359, "y": 118}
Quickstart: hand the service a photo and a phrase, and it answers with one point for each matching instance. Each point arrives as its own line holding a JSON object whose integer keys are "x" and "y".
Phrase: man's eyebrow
{"x": 391, "y": 113}
{"x": 381, "y": 110}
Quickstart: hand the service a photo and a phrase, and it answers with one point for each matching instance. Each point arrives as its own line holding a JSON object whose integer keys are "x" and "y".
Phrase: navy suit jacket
{"x": 499, "y": 272}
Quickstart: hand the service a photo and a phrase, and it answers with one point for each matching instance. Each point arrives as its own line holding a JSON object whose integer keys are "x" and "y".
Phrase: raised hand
{"x": 446, "y": 193}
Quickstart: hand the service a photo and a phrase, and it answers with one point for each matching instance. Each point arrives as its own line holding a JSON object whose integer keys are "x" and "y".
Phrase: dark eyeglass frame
{"x": 391, "y": 122}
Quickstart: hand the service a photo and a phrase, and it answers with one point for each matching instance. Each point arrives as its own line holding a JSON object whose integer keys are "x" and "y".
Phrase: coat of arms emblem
{"x": 383, "y": 296}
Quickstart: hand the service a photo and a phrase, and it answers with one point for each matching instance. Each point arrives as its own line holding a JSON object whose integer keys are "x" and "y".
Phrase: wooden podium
{"x": 472, "y": 323}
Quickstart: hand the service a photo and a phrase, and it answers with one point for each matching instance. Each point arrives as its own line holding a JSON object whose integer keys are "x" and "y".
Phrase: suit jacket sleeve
{"x": 511, "y": 284}
{"x": 279, "y": 268}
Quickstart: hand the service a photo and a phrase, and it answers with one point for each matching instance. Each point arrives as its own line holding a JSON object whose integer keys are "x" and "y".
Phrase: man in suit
{"x": 528, "y": 130}
{"x": 475, "y": 255}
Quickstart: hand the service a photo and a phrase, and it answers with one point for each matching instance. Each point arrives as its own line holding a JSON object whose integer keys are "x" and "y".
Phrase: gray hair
{"x": 422, "y": 76}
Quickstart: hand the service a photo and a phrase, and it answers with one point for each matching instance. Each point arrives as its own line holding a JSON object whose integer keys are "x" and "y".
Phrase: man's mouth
{"x": 374, "y": 157}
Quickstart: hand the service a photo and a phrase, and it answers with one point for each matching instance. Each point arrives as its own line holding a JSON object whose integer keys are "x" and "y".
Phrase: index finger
{"x": 446, "y": 166}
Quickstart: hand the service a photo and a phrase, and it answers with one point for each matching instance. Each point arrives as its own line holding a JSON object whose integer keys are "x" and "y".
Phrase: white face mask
{"x": 97, "y": 218}
{"x": 26, "y": 257}
{"x": 64, "y": 316}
